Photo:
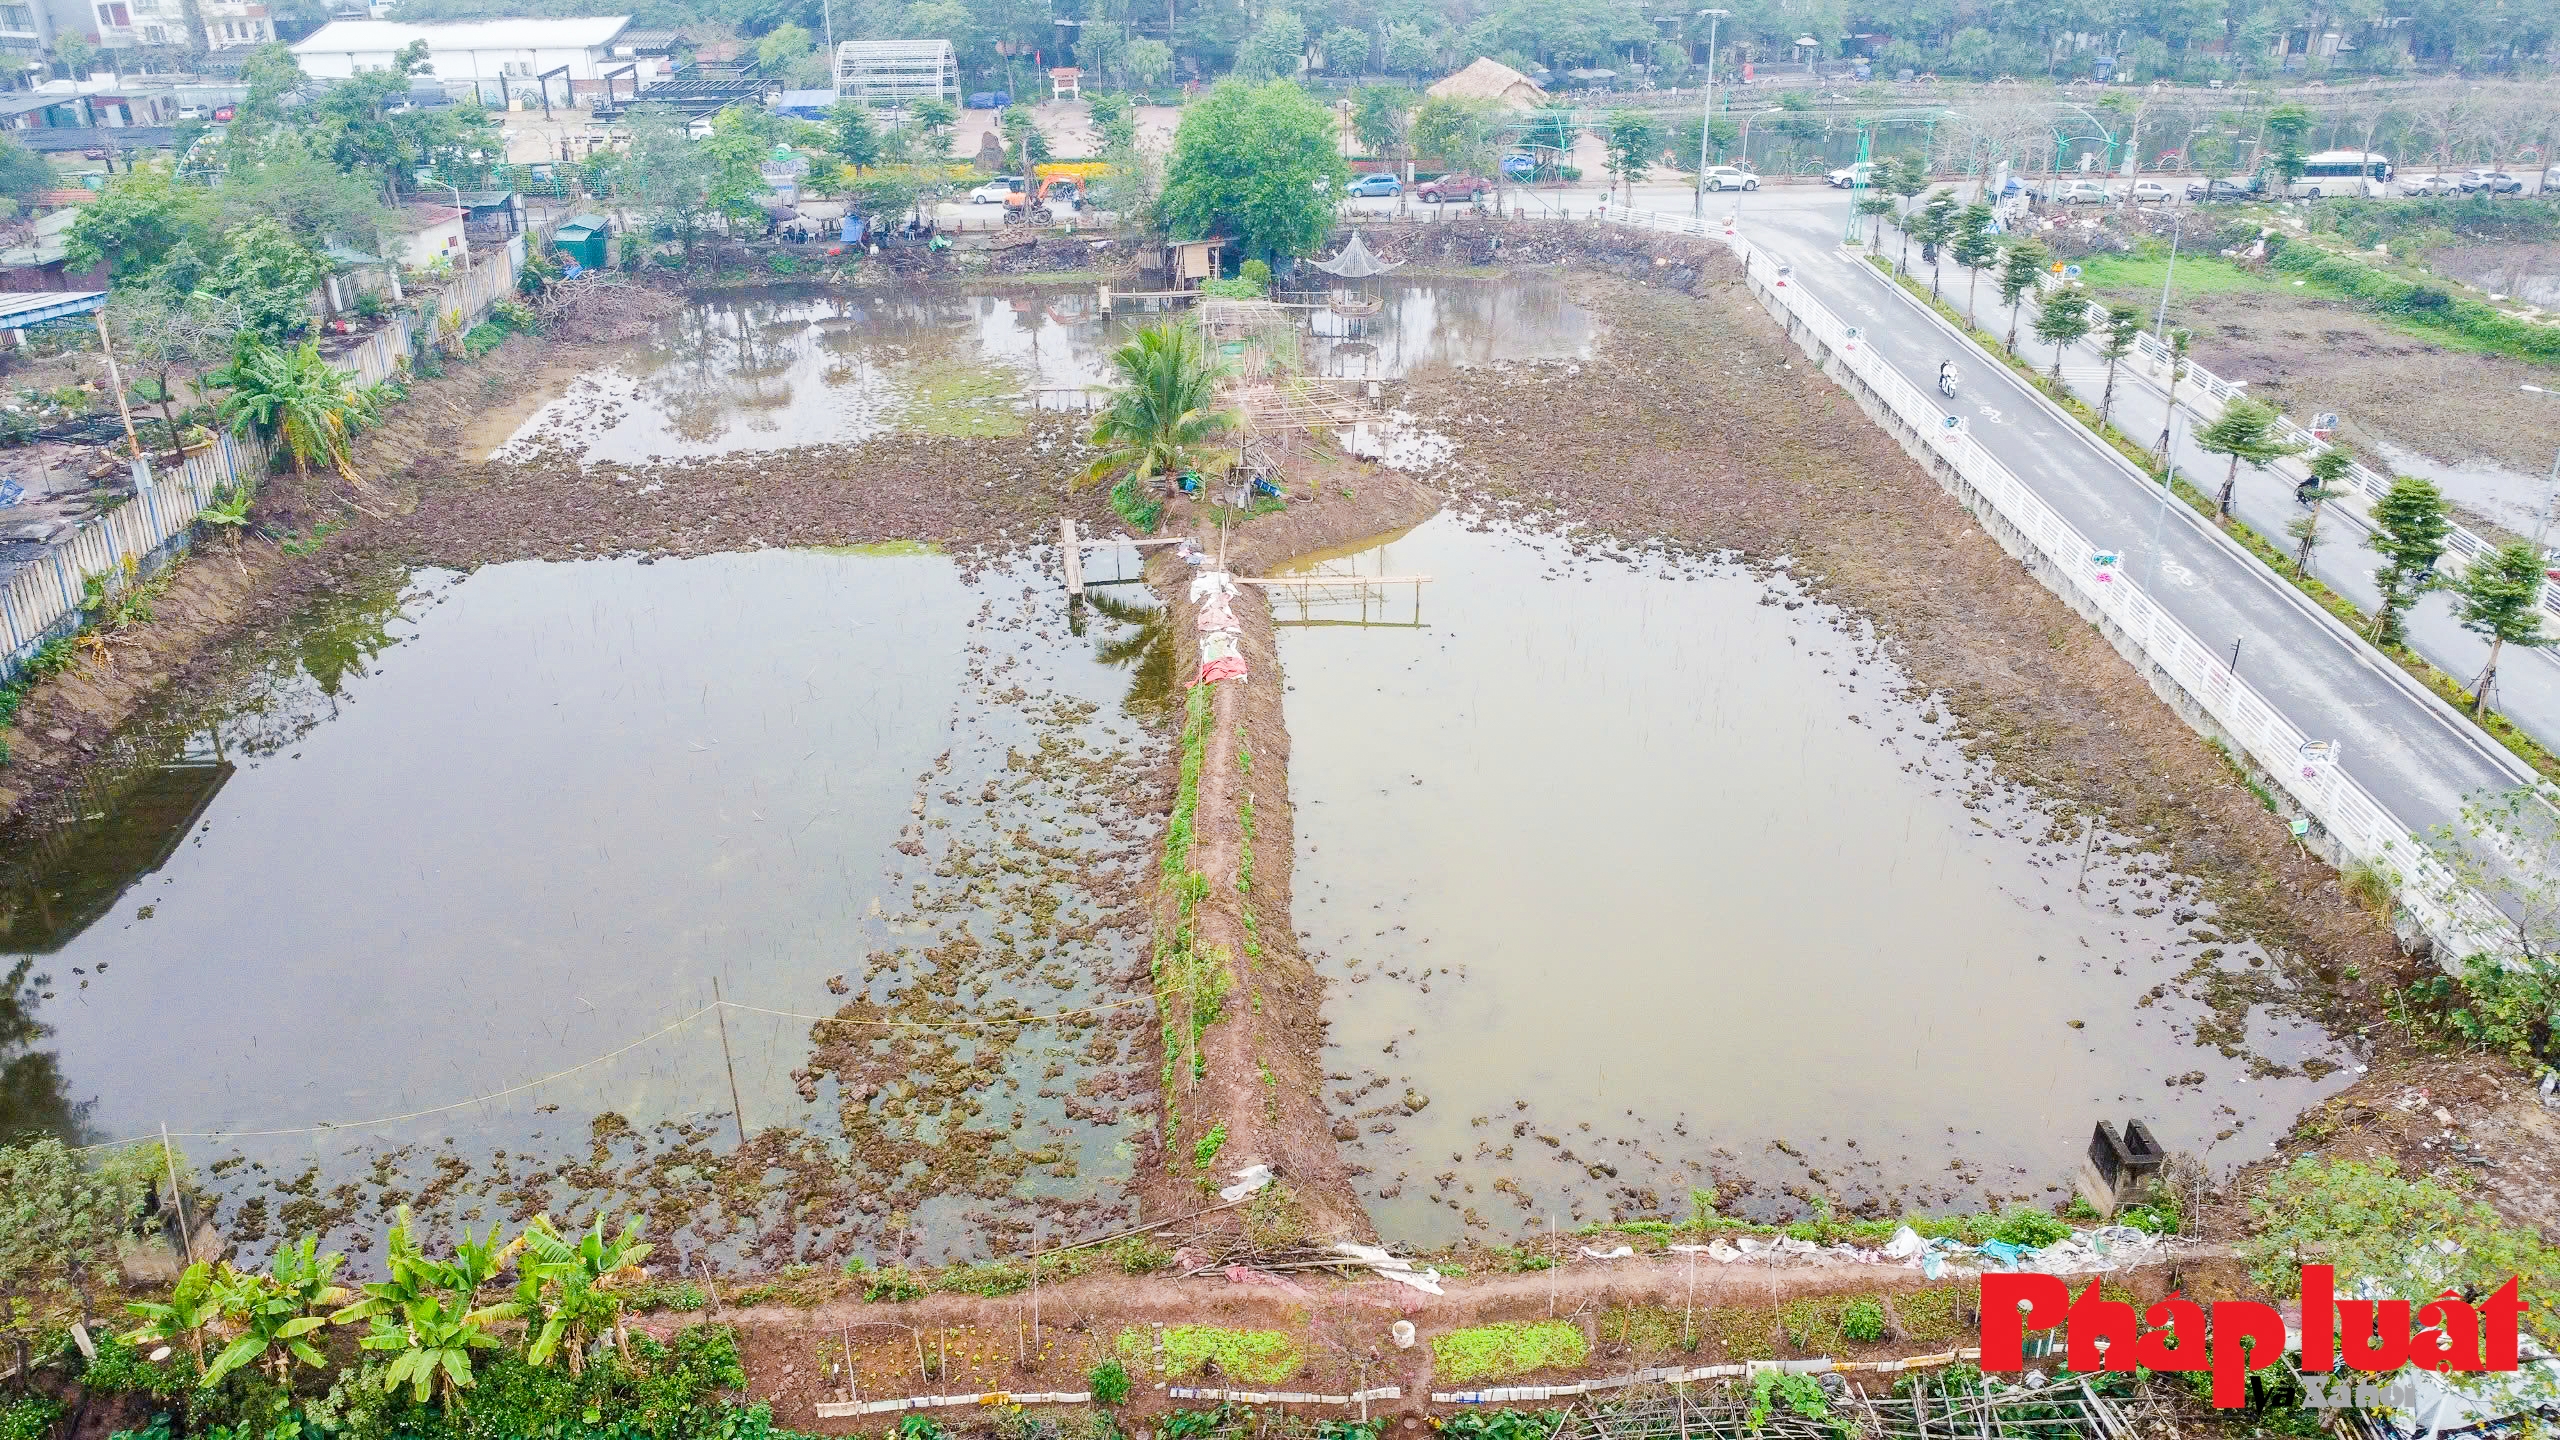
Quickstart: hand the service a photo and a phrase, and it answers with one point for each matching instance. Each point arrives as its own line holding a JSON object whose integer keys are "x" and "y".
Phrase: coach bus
{"x": 2333, "y": 173}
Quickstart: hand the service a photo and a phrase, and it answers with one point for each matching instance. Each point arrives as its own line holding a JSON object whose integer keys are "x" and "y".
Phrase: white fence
{"x": 2458, "y": 918}
{"x": 460, "y": 304}
{"x": 39, "y": 596}
{"x": 2362, "y": 484}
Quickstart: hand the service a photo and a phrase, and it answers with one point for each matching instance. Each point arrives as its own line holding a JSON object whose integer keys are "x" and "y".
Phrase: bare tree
{"x": 159, "y": 333}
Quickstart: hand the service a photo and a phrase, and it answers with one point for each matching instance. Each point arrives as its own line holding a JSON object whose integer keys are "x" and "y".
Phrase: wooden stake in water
{"x": 1035, "y": 1294}
{"x": 720, "y": 1012}
{"x": 168, "y": 1157}
{"x": 1555, "y": 1265}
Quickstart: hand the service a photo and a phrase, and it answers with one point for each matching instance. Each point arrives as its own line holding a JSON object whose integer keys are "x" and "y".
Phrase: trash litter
{"x": 1212, "y": 582}
{"x": 1905, "y": 1246}
{"x": 1392, "y": 1267}
{"x": 1215, "y": 671}
{"x": 1218, "y": 645}
{"x": 2004, "y": 1252}
{"x": 1723, "y": 1253}
{"x": 1248, "y": 1180}
{"x": 1402, "y": 1330}
{"x": 11, "y": 492}
{"x": 1623, "y": 1252}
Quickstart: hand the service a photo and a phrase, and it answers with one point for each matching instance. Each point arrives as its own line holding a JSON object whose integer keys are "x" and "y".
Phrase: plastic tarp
{"x": 1218, "y": 645}
{"x": 1222, "y": 670}
{"x": 1212, "y": 582}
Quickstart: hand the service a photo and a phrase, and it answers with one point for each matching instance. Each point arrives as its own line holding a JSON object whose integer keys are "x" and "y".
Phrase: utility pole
{"x": 1706, "y": 118}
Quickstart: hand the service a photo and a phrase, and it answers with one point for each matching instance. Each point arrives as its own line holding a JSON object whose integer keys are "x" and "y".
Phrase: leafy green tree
{"x": 1936, "y": 228}
{"x": 59, "y": 1223}
{"x": 2499, "y": 597}
{"x": 2123, "y": 328}
{"x": 1910, "y": 182}
{"x": 76, "y": 54}
{"x": 2021, "y": 270}
{"x": 1381, "y": 117}
{"x": 2328, "y": 471}
{"x": 292, "y": 396}
{"x": 1116, "y": 118}
{"x": 2500, "y": 845}
{"x": 1976, "y": 245}
{"x": 1023, "y": 138}
{"x": 1164, "y": 417}
{"x": 1149, "y": 61}
{"x": 2063, "y": 323}
{"x": 853, "y": 139}
{"x": 1458, "y": 133}
{"x": 274, "y": 1312}
{"x": 2410, "y": 523}
{"x": 284, "y": 179}
{"x": 936, "y": 116}
{"x": 2287, "y": 124}
{"x": 427, "y": 1315}
{"x": 1875, "y": 208}
{"x": 1406, "y": 50}
{"x": 140, "y": 217}
{"x": 270, "y": 276}
{"x": 23, "y": 172}
{"x": 567, "y": 1292}
{"x": 2245, "y": 430}
{"x": 1277, "y": 46}
{"x": 784, "y": 44}
{"x": 1346, "y": 50}
{"x": 1258, "y": 163}
{"x": 2416, "y": 1237}
{"x": 271, "y": 74}
{"x": 1630, "y": 146}
{"x": 668, "y": 175}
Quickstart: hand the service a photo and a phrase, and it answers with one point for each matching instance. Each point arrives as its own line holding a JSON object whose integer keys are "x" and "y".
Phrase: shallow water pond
{"x": 1632, "y": 875}
{"x": 502, "y": 835}
{"x": 784, "y": 367}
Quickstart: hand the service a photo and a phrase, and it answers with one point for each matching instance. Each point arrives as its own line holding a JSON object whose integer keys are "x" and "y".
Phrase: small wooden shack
{"x": 1189, "y": 262}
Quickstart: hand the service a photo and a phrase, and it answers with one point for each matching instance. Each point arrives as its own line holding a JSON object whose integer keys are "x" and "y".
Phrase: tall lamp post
{"x": 1707, "y": 119}
{"x": 2177, "y": 231}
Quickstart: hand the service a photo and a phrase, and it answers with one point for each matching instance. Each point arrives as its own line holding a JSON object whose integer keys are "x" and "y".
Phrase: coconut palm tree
{"x": 1165, "y": 415}
{"x": 293, "y": 396}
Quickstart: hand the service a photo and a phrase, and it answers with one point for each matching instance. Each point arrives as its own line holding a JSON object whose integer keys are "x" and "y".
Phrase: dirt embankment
{"x": 1240, "y": 1005}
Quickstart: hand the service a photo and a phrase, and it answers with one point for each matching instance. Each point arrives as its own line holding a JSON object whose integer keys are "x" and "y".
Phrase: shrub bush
{"x": 1109, "y": 1382}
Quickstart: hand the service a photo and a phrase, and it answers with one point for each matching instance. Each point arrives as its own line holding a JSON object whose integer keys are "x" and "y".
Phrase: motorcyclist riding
{"x": 1947, "y": 378}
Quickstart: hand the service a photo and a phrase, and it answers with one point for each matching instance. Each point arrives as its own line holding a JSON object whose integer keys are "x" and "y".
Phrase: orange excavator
{"x": 1041, "y": 209}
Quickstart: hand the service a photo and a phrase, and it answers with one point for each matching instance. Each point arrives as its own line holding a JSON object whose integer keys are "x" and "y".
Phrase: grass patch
{"x": 961, "y": 402}
{"x": 1264, "y": 1357}
{"x": 1492, "y": 1352}
{"x": 2501, "y": 729}
{"x": 1940, "y": 1313}
{"x": 2142, "y": 273}
{"x": 1742, "y": 1332}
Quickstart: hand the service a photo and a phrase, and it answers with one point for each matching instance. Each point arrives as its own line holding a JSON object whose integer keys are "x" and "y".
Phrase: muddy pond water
{"x": 501, "y": 836}
{"x": 780, "y": 367}
{"x": 1639, "y": 874}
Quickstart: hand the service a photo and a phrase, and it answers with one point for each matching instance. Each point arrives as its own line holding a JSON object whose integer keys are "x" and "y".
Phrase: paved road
{"x": 2414, "y": 754}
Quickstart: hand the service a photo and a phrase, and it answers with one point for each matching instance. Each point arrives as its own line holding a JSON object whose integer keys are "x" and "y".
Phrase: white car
{"x": 2150, "y": 192}
{"x": 1725, "y": 177}
{"x": 2081, "y": 192}
{"x": 2429, "y": 185}
{"x": 1862, "y": 173}
{"x": 995, "y": 191}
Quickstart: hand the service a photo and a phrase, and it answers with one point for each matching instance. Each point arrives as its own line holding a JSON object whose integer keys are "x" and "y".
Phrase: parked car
{"x": 1376, "y": 182}
{"x": 2490, "y": 182}
{"x": 1725, "y": 177}
{"x": 1853, "y": 175}
{"x": 2081, "y": 192}
{"x": 1519, "y": 169}
{"x": 2227, "y": 187}
{"x": 2429, "y": 185}
{"x": 997, "y": 191}
{"x": 1456, "y": 185}
{"x": 989, "y": 99}
{"x": 2150, "y": 192}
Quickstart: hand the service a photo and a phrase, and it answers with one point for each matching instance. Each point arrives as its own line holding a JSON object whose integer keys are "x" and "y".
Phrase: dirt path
{"x": 1254, "y": 1093}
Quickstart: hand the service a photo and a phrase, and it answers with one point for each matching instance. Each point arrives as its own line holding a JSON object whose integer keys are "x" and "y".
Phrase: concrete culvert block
{"x": 1402, "y": 1330}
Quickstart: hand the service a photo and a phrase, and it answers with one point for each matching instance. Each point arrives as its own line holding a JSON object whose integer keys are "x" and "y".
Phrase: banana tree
{"x": 427, "y": 1315}
{"x": 194, "y": 1306}
{"x": 274, "y": 1311}
{"x": 569, "y": 1286}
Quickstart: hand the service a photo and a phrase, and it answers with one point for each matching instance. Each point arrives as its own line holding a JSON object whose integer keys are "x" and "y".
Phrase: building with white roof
{"x": 497, "y": 58}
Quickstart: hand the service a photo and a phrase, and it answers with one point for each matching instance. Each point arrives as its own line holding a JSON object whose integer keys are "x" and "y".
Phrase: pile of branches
{"x": 599, "y": 305}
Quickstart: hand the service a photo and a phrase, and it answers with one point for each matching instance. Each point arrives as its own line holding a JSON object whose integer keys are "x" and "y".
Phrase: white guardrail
{"x": 2366, "y": 486}
{"x": 2458, "y": 918}
{"x": 45, "y": 590}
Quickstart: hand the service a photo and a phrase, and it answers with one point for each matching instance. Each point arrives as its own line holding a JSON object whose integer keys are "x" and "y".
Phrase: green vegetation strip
{"x": 1492, "y": 1352}
{"x": 1261, "y": 1357}
{"x": 2503, "y": 730}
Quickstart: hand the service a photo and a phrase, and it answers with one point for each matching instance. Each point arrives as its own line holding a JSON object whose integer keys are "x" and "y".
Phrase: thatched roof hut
{"x": 1490, "y": 79}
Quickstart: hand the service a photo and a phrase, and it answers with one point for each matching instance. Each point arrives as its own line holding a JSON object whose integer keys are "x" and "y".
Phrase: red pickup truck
{"x": 1456, "y": 185}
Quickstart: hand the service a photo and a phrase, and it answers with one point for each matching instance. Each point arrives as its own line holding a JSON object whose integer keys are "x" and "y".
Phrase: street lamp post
{"x": 1707, "y": 118}
{"x": 427, "y": 177}
{"x": 2177, "y": 231}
